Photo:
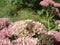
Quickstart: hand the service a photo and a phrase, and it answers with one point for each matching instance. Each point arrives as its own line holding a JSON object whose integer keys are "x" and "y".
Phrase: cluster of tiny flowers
{"x": 27, "y": 28}
{"x": 47, "y": 2}
{"x": 4, "y": 22}
{"x": 25, "y": 41}
{"x": 55, "y": 34}
{"x": 23, "y": 30}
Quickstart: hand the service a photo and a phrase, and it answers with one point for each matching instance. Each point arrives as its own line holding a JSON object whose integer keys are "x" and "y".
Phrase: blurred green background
{"x": 25, "y": 9}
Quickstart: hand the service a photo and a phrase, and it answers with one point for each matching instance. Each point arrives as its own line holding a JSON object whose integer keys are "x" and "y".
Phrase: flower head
{"x": 44, "y": 3}
{"x": 55, "y": 34}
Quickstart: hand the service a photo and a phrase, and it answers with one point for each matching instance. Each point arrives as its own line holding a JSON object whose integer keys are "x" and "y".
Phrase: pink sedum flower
{"x": 9, "y": 33}
{"x": 4, "y": 22}
{"x": 3, "y": 33}
{"x": 25, "y": 41}
{"x": 57, "y": 21}
{"x": 19, "y": 28}
{"x": 5, "y": 41}
{"x": 6, "y": 33}
{"x": 56, "y": 4}
{"x": 55, "y": 34}
{"x": 44, "y": 3}
{"x": 31, "y": 41}
{"x": 47, "y": 2}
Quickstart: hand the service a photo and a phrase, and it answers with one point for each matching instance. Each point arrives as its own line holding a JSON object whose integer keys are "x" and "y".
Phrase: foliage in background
{"x": 5, "y": 8}
{"x": 15, "y": 10}
{"x": 27, "y": 3}
{"x": 11, "y": 7}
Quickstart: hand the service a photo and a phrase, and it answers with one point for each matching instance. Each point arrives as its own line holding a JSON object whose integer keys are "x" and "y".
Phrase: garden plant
{"x": 29, "y": 22}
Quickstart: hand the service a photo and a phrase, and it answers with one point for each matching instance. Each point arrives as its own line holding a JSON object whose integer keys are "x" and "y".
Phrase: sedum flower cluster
{"x": 26, "y": 32}
{"x": 49, "y": 2}
{"x": 19, "y": 32}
